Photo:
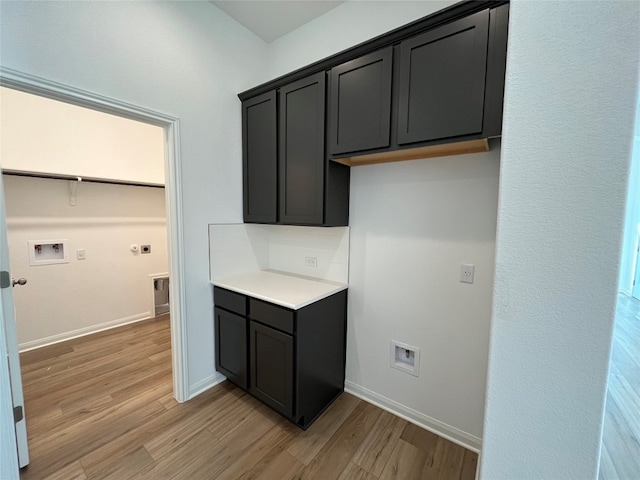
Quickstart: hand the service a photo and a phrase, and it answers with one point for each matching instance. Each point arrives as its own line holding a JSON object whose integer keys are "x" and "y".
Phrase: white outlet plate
{"x": 81, "y": 254}
{"x": 311, "y": 261}
{"x": 466, "y": 272}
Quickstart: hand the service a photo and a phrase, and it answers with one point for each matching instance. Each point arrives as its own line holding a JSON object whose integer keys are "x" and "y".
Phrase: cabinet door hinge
{"x": 18, "y": 414}
{"x": 5, "y": 279}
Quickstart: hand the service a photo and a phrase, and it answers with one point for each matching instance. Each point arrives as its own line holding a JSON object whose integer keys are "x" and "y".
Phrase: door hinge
{"x": 18, "y": 414}
{"x": 5, "y": 279}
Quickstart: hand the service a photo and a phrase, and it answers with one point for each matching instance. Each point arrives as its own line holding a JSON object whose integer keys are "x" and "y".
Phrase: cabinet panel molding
{"x": 301, "y": 151}
{"x": 272, "y": 367}
{"x": 442, "y": 81}
{"x": 231, "y": 346}
{"x": 259, "y": 158}
{"x": 360, "y": 104}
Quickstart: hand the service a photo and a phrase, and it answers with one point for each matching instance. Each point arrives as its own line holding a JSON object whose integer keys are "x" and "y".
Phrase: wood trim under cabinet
{"x": 442, "y": 150}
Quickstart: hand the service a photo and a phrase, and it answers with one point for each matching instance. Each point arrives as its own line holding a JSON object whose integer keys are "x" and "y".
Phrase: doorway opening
{"x": 172, "y": 169}
{"x": 619, "y": 452}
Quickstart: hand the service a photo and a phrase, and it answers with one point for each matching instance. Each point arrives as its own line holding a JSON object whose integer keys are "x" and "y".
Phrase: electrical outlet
{"x": 81, "y": 254}
{"x": 311, "y": 262}
{"x": 466, "y": 272}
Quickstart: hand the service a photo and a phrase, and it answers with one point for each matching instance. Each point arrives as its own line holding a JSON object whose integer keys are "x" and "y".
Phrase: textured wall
{"x": 112, "y": 285}
{"x": 46, "y": 136}
{"x": 185, "y": 59}
{"x": 412, "y": 225}
{"x": 572, "y": 77}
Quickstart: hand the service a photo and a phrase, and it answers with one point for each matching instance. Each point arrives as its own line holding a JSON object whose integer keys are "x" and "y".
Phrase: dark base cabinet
{"x": 295, "y": 358}
{"x": 231, "y": 355}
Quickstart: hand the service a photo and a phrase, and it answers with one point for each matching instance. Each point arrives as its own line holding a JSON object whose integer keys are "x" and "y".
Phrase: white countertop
{"x": 284, "y": 289}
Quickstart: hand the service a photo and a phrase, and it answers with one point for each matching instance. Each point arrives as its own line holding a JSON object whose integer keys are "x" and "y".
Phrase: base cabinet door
{"x": 231, "y": 346}
{"x": 271, "y": 360}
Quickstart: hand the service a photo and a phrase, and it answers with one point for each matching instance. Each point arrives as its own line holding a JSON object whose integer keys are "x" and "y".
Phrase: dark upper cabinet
{"x": 360, "y": 104}
{"x": 442, "y": 81}
{"x": 301, "y": 155}
{"x": 260, "y": 158}
{"x": 287, "y": 178}
{"x": 434, "y": 87}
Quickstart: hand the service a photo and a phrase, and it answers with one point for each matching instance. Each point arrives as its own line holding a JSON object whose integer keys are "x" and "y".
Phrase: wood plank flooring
{"x": 620, "y": 454}
{"x": 101, "y": 407}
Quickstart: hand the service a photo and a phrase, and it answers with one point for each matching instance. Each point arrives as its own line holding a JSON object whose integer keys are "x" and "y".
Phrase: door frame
{"x": 173, "y": 194}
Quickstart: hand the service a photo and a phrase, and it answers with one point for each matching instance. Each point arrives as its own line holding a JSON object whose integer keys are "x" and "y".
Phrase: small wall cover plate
{"x": 405, "y": 357}
{"x": 48, "y": 252}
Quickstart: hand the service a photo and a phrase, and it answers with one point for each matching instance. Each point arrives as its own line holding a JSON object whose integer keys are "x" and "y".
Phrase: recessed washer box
{"x": 405, "y": 357}
{"x": 48, "y": 252}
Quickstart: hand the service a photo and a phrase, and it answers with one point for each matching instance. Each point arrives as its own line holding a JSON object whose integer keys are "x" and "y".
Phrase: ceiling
{"x": 271, "y": 19}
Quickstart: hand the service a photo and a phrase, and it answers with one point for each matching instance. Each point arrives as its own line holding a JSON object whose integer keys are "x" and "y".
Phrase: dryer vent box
{"x": 47, "y": 252}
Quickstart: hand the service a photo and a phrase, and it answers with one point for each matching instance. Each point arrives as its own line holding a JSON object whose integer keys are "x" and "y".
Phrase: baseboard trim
{"x": 81, "y": 332}
{"x": 205, "y": 384}
{"x": 453, "y": 434}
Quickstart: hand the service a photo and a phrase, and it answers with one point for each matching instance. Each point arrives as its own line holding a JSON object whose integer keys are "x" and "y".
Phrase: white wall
{"x": 412, "y": 225}
{"x": 112, "y": 285}
{"x": 632, "y": 216}
{"x": 551, "y": 330}
{"x": 345, "y": 26}
{"x": 185, "y": 59}
{"x": 236, "y": 249}
{"x": 572, "y": 80}
{"x": 41, "y": 135}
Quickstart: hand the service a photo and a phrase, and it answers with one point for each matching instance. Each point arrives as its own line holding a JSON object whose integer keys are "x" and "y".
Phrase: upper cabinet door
{"x": 260, "y": 158}
{"x": 442, "y": 80}
{"x": 302, "y": 119}
{"x": 360, "y": 109}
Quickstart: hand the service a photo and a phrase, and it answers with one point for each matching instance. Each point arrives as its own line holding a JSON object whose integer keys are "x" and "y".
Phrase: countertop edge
{"x": 333, "y": 288}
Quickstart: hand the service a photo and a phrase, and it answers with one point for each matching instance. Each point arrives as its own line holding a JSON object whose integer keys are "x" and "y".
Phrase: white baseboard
{"x": 81, "y": 332}
{"x": 468, "y": 441}
{"x": 205, "y": 384}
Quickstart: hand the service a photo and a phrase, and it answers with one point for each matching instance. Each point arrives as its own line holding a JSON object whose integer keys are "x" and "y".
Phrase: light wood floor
{"x": 102, "y": 407}
{"x": 620, "y": 455}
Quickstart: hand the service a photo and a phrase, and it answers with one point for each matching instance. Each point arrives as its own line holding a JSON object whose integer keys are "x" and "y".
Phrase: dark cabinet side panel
{"x": 361, "y": 103}
{"x": 259, "y": 156}
{"x": 301, "y": 160}
{"x": 272, "y": 367}
{"x": 442, "y": 79}
{"x": 231, "y": 346}
{"x": 496, "y": 69}
{"x": 321, "y": 353}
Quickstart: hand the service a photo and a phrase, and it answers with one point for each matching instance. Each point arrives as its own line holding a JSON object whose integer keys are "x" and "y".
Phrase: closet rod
{"x": 83, "y": 179}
